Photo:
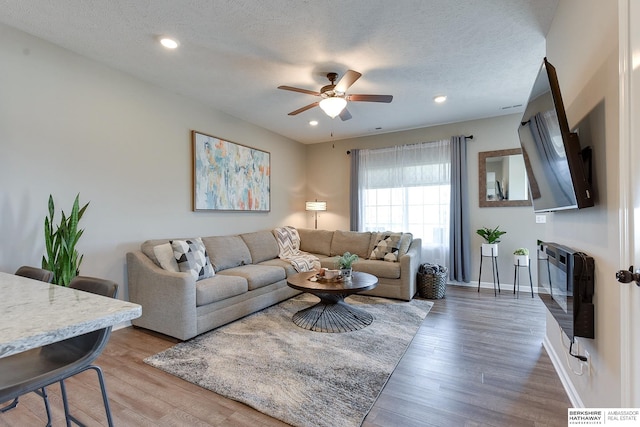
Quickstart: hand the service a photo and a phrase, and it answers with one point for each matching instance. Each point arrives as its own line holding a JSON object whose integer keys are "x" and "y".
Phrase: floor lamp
{"x": 315, "y": 207}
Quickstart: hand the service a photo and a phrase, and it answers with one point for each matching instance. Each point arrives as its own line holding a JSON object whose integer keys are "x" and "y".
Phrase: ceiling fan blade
{"x": 297, "y": 89}
{"x": 303, "y": 109}
{"x": 347, "y": 80}
{"x": 370, "y": 98}
{"x": 345, "y": 114}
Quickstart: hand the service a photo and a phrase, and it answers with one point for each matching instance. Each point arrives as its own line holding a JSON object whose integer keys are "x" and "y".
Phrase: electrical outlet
{"x": 541, "y": 219}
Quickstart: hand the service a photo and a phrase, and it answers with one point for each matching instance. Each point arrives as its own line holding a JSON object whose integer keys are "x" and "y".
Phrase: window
{"x": 407, "y": 188}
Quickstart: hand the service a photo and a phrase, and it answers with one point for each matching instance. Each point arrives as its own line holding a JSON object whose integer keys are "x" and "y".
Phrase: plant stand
{"x": 494, "y": 266}
{"x": 516, "y": 276}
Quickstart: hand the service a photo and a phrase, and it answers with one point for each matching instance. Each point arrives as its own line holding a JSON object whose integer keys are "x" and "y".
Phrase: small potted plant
{"x": 521, "y": 257}
{"x": 345, "y": 262}
{"x": 492, "y": 238}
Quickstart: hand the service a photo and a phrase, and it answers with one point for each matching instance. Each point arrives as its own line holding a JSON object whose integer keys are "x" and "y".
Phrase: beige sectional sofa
{"x": 395, "y": 279}
{"x": 249, "y": 276}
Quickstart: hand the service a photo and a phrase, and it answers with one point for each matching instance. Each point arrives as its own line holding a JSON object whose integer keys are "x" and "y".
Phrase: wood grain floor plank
{"x": 477, "y": 360}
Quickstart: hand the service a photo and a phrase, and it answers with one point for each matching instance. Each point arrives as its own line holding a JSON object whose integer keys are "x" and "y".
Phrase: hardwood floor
{"x": 477, "y": 360}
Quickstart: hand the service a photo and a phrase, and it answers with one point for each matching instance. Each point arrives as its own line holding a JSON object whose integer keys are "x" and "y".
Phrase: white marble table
{"x": 33, "y": 313}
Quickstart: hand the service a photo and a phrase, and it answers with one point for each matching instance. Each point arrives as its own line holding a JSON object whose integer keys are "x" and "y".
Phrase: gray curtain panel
{"x": 354, "y": 208}
{"x": 459, "y": 226}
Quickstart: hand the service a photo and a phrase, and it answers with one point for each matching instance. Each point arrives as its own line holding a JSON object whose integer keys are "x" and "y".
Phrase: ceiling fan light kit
{"x": 333, "y": 106}
{"x": 334, "y": 97}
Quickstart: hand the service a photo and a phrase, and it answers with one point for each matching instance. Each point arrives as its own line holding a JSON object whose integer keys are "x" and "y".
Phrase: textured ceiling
{"x": 233, "y": 54}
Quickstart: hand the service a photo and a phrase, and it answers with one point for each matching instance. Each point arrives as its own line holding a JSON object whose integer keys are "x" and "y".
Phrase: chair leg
{"x": 43, "y": 393}
{"x": 105, "y": 399}
{"x": 103, "y": 389}
{"x": 9, "y": 406}
{"x": 65, "y": 403}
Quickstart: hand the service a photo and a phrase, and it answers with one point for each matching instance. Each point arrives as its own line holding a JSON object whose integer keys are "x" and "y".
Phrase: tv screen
{"x": 553, "y": 157}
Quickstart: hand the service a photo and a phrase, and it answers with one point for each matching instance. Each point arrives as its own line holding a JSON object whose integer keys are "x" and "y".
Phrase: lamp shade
{"x": 333, "y": 106}
{"x": 316, "y": 206}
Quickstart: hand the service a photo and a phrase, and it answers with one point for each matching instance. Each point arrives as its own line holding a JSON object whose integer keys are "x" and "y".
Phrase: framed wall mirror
{"x": 502, "y": 179}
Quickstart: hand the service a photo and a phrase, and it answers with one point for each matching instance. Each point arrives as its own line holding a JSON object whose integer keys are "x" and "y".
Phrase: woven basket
{"x": 432, "y": 285}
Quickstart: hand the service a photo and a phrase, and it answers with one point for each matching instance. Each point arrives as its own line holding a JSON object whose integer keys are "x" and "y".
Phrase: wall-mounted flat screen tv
{"x": 556, "y": 164}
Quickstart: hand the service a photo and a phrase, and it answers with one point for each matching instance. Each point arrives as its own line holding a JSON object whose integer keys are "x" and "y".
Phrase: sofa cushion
{"x": 257, "y": 276}
{"x": 262, "y": 245}
{"x": 329, "y": 262}
{"x": 387, "y": 246}
{"x": 356, "y": 242}
{"x": 315, "y": 241}
{"x": 191, "y": 257}
{"x": 219, "y": 287}
{"x": 227, "y": 251}
{"x": 380, "y": 269}
{"x": 277, "y": 262}
{"x": 164, "y": 255}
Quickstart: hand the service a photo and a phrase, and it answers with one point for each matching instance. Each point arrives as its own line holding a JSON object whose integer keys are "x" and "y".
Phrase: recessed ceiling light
{"x": 440, "y": 99}
{"x": 313, "y": 123}
{"x": 168, "y": 42}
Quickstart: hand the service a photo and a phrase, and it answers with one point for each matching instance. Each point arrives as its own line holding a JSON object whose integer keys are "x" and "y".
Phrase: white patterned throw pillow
{"x": 387, "y": 246}
{"x": 192, "y": 257}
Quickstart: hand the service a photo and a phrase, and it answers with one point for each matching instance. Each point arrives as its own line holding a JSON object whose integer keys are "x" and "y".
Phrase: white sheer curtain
{"x": 407, "y": 188}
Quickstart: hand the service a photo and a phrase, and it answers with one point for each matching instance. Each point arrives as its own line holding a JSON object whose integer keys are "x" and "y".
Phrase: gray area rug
{"x": 301, "y": 377}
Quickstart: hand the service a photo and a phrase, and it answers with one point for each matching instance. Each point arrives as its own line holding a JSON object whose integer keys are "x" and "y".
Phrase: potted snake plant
{"x": 62, "y": 257}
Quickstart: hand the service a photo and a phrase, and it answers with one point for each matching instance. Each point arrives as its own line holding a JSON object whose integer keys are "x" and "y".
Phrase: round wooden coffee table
{"x": 332, "y": 313}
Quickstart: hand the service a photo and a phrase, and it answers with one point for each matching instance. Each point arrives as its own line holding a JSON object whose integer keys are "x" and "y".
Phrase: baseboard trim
{"x": 556, "y": 360}
{"x": 489, "y": 285}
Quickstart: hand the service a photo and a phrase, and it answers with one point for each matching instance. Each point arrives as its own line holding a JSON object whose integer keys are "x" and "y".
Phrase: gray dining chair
{"x": 35, "y": 273}
{"x": 34, "y": 370}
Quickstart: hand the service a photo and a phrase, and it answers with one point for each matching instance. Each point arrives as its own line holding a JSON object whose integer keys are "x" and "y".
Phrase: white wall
{"x": 328, "y": 178}
{"x": 582, "y": 45}
{"x": 70, "y": 125}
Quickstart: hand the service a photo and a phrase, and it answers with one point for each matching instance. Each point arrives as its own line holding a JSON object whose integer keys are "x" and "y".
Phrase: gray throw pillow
{"x": 387, "y": 247}
{"x": 192, "y": 257}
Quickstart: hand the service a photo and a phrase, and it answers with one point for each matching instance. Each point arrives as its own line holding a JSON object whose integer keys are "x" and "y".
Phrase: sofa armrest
{"x": 168, "y": 299}
{"x": 409, "y": 264}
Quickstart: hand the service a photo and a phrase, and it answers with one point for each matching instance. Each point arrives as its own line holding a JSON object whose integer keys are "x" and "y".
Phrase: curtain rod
{"x": 468, "y": 137}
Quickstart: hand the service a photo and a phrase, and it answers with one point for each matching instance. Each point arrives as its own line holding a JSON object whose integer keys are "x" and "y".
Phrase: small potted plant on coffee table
{"x": 521, "y": 257}
{"x": 492, "y": 238}
{"x": 345, "y": 262}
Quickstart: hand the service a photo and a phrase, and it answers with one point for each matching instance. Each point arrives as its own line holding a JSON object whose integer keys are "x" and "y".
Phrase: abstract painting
{"x": 229, "y": 176}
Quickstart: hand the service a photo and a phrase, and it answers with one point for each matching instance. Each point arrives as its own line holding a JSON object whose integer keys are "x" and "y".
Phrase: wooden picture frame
{"x": 482, "y": 180}
{"x": 228, "y": 176}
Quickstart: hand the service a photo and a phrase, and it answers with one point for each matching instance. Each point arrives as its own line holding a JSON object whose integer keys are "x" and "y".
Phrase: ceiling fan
{"x": 334, "y": 96}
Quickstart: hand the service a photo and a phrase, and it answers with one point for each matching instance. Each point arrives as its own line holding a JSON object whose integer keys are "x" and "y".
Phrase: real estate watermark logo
{"x": 603, "y": 416}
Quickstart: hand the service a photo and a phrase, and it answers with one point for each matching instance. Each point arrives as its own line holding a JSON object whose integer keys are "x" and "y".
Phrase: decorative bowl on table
{"x": 327, "y": 275}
